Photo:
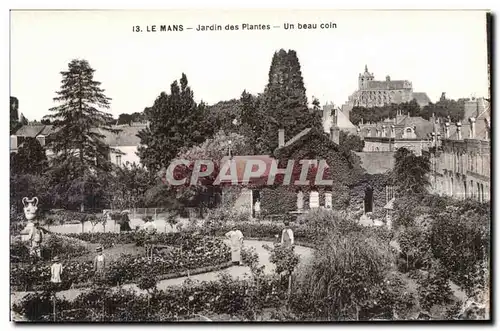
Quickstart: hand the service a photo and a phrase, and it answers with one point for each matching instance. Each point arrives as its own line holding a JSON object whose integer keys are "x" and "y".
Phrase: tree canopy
{"x": 80, "y": 159}
{"x": 410, "y": 172}
{"x": 175, "y": 122}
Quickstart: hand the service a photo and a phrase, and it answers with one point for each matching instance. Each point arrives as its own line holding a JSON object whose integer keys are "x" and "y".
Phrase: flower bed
{"x": 224, "y": 296}
{"x": 197, "y": 252}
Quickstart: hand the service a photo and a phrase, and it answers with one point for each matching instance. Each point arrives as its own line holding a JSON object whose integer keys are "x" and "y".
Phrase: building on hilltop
{"x": 376, "y": 93}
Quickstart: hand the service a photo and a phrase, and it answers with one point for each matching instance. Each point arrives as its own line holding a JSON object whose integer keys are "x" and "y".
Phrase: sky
{"x": 438, "y": 51}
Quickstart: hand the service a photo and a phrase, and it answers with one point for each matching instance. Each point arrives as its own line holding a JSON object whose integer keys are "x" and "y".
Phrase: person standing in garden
{"x": 256, "y": 209}
{"x": 55, "y": 271}
{"x": 125, "y": 221}
{"x": 287, "y": 239}
{"x": 36, "y": 238}
{"x": 99, "y": 264}
{"x": 236, "y": 238}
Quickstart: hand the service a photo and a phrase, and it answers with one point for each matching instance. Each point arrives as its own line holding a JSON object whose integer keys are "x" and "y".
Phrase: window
{"x": 328, "y": 200}
{"x": 118, "y": 160}
{"x": 314, "y": 199}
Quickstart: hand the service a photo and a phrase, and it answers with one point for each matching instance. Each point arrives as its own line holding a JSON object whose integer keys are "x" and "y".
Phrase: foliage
{"x": 416, "y": 247}
{"x": 222, "y": 115}
{"x": 284, "y": 101}
{"x": 410, "y": 172}
{"x": 460, "y": 239}
{"x": 434, "y": 289}
{"x": 128, "y": 186}
{"x": 215, "y": 150}
{"x": 284, "y": 257}
{"x": 29, "y": 159}
{"x": 278, "y": 200}
{"x": 176, "y": 122}
{"x": 351, "y": 142}
{"x": 342, "y": 277}
{"x": 253, "y": 122}
{"x": 377, "y": 114}
{"x": 14, "y": 115}
{"x": 80, "y": 153}
{"x": 445, "y": 108}
{"x": 131, "y": 118}
{"x": 30, "y": 185}
{"x": 189, "y": 252}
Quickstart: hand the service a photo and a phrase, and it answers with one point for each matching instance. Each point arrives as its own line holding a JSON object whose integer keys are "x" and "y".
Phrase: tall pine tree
{"x": 176, "y": 123}
{"x": 81, "y": 156}
{"x": 284, "y": 100}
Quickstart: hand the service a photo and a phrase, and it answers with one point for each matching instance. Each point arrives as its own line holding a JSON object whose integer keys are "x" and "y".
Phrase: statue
{"x": 32, "y": 233}
{"x": 30, "y": 212}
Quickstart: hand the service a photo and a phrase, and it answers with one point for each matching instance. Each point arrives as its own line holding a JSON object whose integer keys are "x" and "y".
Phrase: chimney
{"x": 358, "y": 131}
{"x": 447, "y": 130}
{"x": 378, "y": 132}
{"x": 334, "y": 118}
{"x": 433, "y": 134}
{"x": 472, "y": 132}
{"x": 384, "y": 133}
{"x": 393, "y": 132}
{"x": 335, "y": 134}
{"x": 459, "y": 131}
{"x": 281, "y": 137}
{"x": 368, "y": 132}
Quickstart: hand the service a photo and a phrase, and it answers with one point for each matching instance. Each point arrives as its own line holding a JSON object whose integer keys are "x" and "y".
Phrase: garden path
{"x": 235, "y": 271}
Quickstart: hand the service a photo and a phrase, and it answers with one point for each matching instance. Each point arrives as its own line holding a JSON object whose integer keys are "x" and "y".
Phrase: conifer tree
{"x": 81, "y": 155}
{"x": 285, "y": 101}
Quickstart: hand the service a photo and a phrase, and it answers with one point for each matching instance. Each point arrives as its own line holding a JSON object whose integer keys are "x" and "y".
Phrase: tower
{"x": 364, "y": 78}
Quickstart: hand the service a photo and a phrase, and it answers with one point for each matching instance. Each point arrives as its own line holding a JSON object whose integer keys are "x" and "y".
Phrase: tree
{"x": 213, "y": 149}
{"x": 221, "y": 116}
{"x": 350, "y": 142}
{"x": 410, "y": 172}
{"x": 254, "y": 121}
{"x": 128, "y": 185}
{"x": 130, "y": 118}
{"x": 316, "y": 104}
{"x": 445, "y": 108}
{"x": 23, "y": 120}
{"x": 285, "y": 101}
{"x": 14, "y": 115}
{"x": 176, "y": 121}
{"x": 81, "y": 156}
{"x": 30, "y": 158}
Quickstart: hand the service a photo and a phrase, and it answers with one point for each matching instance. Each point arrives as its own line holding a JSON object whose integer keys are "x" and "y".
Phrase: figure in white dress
{"x": 55, "y": 271}
{"x": 287, "y": 239}
{"x": 236, "y": 238}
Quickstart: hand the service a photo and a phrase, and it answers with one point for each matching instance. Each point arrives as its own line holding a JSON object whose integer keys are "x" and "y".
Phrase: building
{"x": 377, "y": 93}
{"x": 334, "y": 117}
{"x": 411, "y": 132}
{"x": 125, "y": 142}
{"x": 461, "y": 163}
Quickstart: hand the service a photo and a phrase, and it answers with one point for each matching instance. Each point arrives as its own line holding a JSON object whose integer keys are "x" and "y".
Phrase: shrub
{"x": 345, "y": 270}
{"x": 285, "y": 259}
{"x": 435, "y": 288}
{"x": 415, "y": 248}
